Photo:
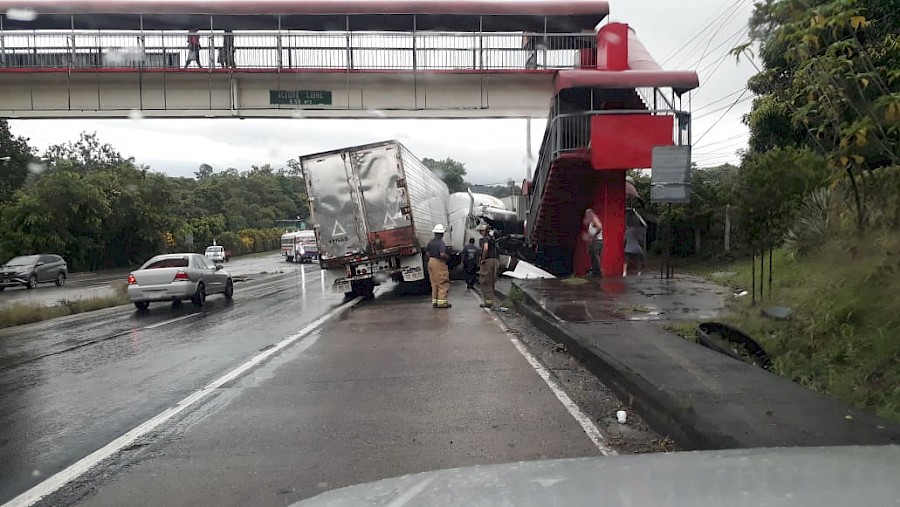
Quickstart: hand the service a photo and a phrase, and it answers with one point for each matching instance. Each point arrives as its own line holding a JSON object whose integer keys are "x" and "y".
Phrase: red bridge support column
{"x": 611, "y": 210}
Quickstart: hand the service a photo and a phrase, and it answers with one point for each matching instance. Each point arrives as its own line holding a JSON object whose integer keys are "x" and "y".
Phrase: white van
{"x": 216, "y": 253}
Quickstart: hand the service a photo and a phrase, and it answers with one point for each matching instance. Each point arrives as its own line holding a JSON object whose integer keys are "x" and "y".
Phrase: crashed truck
{"x": 374, "y": 208}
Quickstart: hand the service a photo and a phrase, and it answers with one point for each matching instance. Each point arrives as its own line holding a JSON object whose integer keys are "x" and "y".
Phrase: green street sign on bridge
{"x": 300, "y": 97}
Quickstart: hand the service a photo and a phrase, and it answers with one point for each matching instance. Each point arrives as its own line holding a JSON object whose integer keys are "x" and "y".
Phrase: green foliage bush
{"x": 100, "y": 210}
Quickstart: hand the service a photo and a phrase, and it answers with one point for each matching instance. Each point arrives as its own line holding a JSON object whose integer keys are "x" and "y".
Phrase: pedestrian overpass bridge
{"x": 610, "y": 104}
{"x": 334, "y": 59}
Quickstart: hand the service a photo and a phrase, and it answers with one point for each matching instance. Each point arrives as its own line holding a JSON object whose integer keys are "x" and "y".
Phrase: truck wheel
{"x": 364, "y": 288}
{"x": 416, "y": 288}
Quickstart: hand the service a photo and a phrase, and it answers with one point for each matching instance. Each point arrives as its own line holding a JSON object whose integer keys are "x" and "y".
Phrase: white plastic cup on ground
{"x": 621, "y": 416}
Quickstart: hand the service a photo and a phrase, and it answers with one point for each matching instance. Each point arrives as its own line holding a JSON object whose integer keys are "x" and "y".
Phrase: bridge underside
{"x": 249, "y": 94}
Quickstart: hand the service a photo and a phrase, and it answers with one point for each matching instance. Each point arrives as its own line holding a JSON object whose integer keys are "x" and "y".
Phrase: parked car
{"x": 217, "y": 253}
{"x": 30, "y": 270}
{"x": 178, "y": 277}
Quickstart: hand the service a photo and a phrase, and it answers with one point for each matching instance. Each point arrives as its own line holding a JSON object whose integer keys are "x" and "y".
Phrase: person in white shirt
{"x": 594, "y": 238}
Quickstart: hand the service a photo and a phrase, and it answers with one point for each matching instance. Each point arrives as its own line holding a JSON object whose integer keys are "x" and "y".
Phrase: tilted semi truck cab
{"x": 374, "y": 207}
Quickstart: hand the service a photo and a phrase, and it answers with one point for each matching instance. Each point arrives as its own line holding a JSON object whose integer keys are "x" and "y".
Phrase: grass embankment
{"x": 843, "y": 337}
{"x": 27, "y": 313}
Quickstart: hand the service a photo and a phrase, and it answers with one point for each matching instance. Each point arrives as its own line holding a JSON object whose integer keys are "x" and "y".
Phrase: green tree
{"x": 452, "y": 172}
{"x": 830, "y": 83}
{"x": 768, "y": 189}
{"x": 86, "y": 154}
{"x": 204, "y": 171}
{"x": 99, "y": 209}
{"x": 15, "y": 155}
{"x": 63, "y": 212}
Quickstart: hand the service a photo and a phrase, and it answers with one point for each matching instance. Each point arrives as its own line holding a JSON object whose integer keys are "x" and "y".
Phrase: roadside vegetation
{"x": 842, "y": 334}
{"x": 100, "y": 210}
{"x": 817, "y": 195}
{"x": 18, "y": 314}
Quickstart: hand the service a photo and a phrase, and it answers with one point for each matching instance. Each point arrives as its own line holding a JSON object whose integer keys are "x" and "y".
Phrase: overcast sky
{"x": 680, "y": 35}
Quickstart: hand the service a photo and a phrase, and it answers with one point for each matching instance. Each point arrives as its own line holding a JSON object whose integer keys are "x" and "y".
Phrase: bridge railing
{"x": 397, "y": 51}
{"x": 571, "y": 132}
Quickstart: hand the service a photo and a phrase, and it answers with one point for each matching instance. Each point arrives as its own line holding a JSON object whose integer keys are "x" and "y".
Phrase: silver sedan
{"x": 177, "y": 277}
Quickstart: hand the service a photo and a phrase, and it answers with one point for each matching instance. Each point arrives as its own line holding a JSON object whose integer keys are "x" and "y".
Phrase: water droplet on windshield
{"x": 37, "y": 167}
{"x": 35, "y": 473}
{"x": 136, "y": 115}
{"x": 21, "y": 14}
{"x": 124, "y": 56}
{"x": 298, "y": 113}
{"x": 377, "y": 113}
{"x": 131, "y": 187}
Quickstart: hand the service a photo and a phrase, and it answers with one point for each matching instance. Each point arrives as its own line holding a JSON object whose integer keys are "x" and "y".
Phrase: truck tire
{"x": 417, "y": 288}
{"x": 364, "y": 288}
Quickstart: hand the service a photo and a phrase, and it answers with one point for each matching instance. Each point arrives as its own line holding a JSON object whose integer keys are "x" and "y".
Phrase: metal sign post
{"x": 670, "y": 183}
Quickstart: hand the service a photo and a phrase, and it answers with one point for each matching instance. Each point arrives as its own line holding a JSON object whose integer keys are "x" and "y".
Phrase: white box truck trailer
{"x": 374, "y": 208}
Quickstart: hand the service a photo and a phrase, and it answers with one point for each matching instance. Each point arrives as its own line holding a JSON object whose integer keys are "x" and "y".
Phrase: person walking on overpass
{"x": 594, "y": 238}
{"x": 193, "y": 49}
{"x": 438, "y": 272}
{"x": 490, "y": 264}
{"x": 471, "y": 256}
{"x": 226, "y": 52}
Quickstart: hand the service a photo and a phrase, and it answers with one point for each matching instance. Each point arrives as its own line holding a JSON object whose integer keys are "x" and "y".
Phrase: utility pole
{"x": 528, "y": 157}
{"x": 727, "y": 228}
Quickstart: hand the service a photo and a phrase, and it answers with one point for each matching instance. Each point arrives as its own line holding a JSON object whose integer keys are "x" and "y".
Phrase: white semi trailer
{"x": 374, "y": 208}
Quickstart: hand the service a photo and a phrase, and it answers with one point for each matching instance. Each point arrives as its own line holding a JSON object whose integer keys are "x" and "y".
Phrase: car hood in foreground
{"x": 816, "y": 476}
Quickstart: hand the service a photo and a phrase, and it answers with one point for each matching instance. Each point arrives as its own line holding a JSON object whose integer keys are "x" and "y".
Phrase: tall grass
{"x": 18, "y": 314}
{"x": 843, "y": 337}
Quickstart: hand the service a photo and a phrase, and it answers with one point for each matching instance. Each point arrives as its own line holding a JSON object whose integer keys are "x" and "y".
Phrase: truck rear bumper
{"x": 410, "y": 270}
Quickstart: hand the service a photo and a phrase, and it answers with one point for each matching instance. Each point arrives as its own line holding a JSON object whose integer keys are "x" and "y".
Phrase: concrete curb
{"x": 699, "y": 416}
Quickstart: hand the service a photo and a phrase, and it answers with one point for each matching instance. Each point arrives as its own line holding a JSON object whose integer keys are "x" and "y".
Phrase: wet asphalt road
{"x": 71, "y": 385}
{"x": 390, "y": 387}
{"x": 80, "y": 286}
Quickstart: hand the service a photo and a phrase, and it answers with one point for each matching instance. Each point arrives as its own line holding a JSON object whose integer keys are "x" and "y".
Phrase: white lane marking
{"x": 78, "y": 468}
{"x": 590, "y": 429}
{"x": 176, "y": 319}
{"x": 183, "y": 317}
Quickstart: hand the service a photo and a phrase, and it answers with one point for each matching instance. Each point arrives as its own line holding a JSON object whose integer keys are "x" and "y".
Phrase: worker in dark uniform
{"x": 438, "y": 272}
{"x": 471, "y": 255}
{"x": 489, "y": 266}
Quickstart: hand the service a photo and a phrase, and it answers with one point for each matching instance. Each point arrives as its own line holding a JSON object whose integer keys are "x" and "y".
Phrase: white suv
{"x": 215, "y": 253}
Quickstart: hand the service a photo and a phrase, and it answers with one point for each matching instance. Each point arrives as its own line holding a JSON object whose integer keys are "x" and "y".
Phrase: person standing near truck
{"x": 490, "y": 264}
{"x": 438, "y": 273}
{"x": 470, "y": 263}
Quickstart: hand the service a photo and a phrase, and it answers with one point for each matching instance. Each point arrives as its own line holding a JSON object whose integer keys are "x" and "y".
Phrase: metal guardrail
{"x": 296, "y": 50}
{"x": 571, "y": 132}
